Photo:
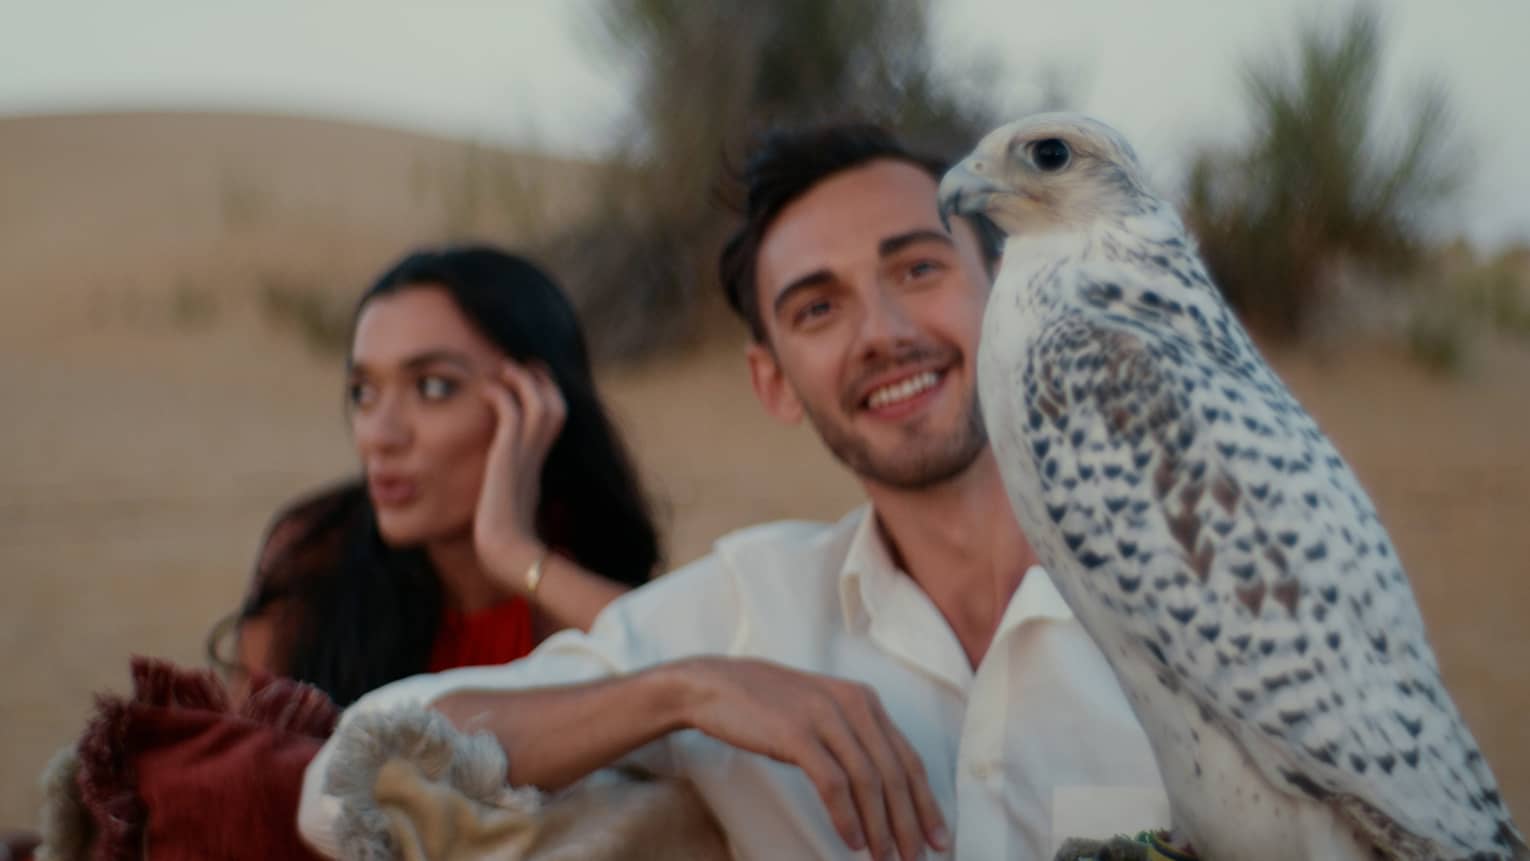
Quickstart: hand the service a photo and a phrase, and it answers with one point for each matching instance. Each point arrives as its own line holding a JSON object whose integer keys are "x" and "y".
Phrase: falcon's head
{"x": 1046, "y": 172}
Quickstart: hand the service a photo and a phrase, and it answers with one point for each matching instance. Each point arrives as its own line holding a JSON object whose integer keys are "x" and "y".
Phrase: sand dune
{"x": 143, "y": 448}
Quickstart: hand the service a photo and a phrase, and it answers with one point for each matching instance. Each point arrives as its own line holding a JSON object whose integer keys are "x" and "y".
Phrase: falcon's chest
{"x": 1015, "y": 317}
{"x": 1221, "y": 801}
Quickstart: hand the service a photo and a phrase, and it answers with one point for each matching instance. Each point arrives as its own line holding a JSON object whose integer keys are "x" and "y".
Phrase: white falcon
{"x": 1205, "y": 532}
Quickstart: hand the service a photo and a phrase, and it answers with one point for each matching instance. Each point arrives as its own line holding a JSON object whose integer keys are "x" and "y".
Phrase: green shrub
{"x": 709, "y": 76}
{"x": 320, "y": 317}
{"x": 1320, "y": 179}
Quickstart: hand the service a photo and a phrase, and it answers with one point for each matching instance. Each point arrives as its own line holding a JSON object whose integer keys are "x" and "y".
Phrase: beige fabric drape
{"x": 412, "y": 787}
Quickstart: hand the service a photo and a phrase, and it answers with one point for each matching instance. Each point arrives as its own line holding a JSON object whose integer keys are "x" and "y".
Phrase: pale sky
{"x": 518, "y": 71}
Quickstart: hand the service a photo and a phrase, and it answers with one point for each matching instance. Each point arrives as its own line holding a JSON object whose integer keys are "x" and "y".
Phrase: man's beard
{"x": 922, "y": 461}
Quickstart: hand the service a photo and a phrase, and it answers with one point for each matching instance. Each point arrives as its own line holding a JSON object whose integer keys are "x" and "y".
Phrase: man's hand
{"x": 836, "y": 731}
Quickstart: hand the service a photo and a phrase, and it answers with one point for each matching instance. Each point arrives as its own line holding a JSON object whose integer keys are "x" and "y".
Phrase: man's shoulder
{"x": 724, "y": 582}
{"x": 780, "y": 546}
{"x": 795, "y": 538}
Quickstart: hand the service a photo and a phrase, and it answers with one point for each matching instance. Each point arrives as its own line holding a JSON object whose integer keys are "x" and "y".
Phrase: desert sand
{"x": 153, "y": 418}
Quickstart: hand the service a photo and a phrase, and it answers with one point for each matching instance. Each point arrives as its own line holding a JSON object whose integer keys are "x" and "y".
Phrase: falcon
{"x": 1203, "y": 529}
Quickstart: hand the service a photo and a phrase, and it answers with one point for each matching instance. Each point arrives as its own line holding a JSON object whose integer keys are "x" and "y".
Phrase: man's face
{"x": 872, "y": 313}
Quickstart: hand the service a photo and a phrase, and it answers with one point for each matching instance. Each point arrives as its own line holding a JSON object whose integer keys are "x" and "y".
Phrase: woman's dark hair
{"x": 358, "y": 613}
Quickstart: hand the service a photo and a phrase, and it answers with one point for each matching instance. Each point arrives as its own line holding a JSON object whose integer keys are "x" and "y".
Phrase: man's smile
{"x": 902, "y": 393}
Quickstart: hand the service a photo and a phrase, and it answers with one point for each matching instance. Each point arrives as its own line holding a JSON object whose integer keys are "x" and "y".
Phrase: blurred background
{"x": 193, "y": 194}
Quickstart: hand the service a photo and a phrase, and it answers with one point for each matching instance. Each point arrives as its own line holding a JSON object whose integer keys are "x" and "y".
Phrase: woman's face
{"x": 421, "y": 424}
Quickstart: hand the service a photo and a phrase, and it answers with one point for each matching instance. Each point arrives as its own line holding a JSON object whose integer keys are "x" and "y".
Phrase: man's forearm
{"x": 554, "y": 736}
{"x": 836, "y": 731}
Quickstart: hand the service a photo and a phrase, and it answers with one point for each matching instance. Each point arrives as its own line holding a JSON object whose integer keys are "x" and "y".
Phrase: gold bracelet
{"x": 534, "y": 573}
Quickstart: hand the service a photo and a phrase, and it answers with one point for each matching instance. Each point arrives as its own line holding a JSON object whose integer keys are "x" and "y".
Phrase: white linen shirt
{"x": 1037, "y": 745}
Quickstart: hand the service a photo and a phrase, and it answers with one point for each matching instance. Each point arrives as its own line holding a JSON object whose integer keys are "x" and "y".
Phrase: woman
{"x": 496, "y": 504}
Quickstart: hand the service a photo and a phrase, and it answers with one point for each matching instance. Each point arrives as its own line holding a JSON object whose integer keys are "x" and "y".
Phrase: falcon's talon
{"x": 1118, "y": 848}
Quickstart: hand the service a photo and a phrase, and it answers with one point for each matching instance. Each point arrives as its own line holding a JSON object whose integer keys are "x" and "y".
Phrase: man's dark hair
{"x": 783, "y": 165}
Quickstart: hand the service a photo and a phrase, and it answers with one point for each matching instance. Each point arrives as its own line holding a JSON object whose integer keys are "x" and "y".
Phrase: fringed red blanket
{"x": 180, "y": 771}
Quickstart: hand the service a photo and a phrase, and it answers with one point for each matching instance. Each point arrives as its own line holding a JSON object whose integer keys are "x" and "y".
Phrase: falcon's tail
{"x": 1520, "y": 851}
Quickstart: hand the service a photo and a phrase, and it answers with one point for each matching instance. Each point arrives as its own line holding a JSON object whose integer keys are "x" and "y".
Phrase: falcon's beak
{"x": 965, "y": 190}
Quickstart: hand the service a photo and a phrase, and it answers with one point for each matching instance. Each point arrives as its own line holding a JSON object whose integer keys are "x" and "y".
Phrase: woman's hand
{"x": 529, "y": 411}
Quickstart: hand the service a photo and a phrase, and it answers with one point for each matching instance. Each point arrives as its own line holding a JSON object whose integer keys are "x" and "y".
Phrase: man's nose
{"x": 886, "y": 325}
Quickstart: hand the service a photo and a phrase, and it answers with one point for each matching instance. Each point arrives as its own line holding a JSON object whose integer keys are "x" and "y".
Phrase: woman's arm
{"x": 566, "y": 594}
{"x": 254, "y": 650}
{"x": 530, "y": 411}
{"x": 254, "y": 641}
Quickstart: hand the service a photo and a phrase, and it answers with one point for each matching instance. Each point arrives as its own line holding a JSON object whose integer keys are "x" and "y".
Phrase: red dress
{"x": 493, "y": 635}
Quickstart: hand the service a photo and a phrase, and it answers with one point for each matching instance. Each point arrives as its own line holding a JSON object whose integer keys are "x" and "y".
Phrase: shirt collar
{"x": 869, "y": 559}
{"x": 866, "y": 559}
{"x": 1037, "y": 598}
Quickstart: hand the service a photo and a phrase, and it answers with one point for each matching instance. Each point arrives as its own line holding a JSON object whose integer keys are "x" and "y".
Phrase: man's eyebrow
{"x": 893, "y": 244}
{"x": 887, "y": 247}
{"x": 812, "y": 279}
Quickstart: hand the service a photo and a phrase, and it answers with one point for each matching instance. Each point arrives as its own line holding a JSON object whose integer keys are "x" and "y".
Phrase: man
{"x": 904, "y": 681}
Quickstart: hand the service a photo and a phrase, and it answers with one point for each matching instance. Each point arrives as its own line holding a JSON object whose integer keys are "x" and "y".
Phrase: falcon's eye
{"x": 1050, "y": 155}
